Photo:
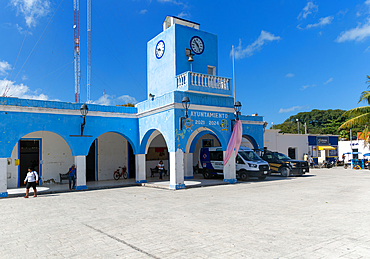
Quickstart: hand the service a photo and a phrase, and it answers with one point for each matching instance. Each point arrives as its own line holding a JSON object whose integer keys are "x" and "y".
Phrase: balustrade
{"x": 203, "y": 80}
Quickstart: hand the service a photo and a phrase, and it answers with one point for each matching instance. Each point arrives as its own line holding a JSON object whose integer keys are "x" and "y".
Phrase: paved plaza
{"x": 324, "y": 214}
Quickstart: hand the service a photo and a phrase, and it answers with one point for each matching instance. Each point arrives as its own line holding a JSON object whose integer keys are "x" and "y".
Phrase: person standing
{"x": 311, "y": 162}
{"x": 31, "y": 180}
{"x": 72, "y": 176}
{"x": 160, "y": 169}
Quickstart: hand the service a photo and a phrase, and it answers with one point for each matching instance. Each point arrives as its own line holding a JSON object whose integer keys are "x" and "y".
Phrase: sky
{"x": 290, "y": 56}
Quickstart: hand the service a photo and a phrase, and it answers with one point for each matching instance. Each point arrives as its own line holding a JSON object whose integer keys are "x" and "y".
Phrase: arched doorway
{"x": 108, "y": 152}
{"x": 44, "y": 151}
{"x": 156, "y": 151}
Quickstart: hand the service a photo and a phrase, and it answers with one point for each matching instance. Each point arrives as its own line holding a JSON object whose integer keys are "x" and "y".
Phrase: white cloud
{"x": 289, "y": 75}
{"x": 173, "y": 2}
{"x": 306, "y": 86}
{"x": 31, "y": 9}
{"x": 255, "y": 46}
{"x": 183, "y": 15}
{"x": 112, "y": 100}
{"x": 367, "y": 49}
{"x": 308, "y": 9}
{"x": 330, "y": 80}
{"x": 292, "y": 109}
{"x": 143, "y": 11}
{"x": 356, "y": 34}
{"x": 4, "y": 67}
{"x": 20, "y": 91}
{"x": 322, "y": 22}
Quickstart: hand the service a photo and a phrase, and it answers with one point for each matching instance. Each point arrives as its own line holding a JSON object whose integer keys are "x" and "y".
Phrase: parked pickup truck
{"x": 280, "y": 163}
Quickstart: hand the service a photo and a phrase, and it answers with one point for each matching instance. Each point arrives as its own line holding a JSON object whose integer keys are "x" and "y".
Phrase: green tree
{"x": 360, "y": 117}
{"x": 317, "y": 122}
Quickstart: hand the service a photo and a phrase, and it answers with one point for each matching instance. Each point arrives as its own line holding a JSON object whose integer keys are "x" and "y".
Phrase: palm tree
{"x": 360, "y": 116}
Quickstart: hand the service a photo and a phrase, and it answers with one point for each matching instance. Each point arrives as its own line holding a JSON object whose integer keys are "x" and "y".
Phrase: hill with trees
{"x": 317, "y": 122}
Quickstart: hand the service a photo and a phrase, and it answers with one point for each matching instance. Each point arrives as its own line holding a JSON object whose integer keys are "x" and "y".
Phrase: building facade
{"x": 182, "y": 65}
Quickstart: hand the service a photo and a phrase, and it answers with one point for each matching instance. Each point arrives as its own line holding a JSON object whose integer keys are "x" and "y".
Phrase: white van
{"x": 248, "y": 163}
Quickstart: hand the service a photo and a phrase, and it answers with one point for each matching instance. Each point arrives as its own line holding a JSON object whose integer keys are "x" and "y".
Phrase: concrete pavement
{"x": 324, "y": 214}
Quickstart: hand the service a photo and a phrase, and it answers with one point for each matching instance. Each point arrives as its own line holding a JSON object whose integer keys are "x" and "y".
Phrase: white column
{"x": 177, "y": 170}
{"x": 188, "y": 162}
{"x": 80, "y": 162}
{"x": 230, "y": 169}
{"x": 140, "y": 167}
{"x": 3, "y": 177}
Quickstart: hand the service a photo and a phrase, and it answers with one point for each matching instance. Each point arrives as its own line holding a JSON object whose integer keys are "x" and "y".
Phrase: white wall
{"x": 56, "y": 158}
{"x": 112, "y": 153}
{"x": 345, "y": 146}
{"x": 280, "y": 142}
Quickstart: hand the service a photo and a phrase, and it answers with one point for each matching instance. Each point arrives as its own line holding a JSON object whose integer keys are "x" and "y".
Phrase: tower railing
{"x": 203, "y": 80}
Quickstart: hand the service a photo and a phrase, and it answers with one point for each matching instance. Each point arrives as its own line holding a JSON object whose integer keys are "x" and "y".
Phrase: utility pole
{"x": 297, "y": 124}
{"x": 305, "y": 128}
{"x": 77, "y": 62}
{"x": 88, "y": 49}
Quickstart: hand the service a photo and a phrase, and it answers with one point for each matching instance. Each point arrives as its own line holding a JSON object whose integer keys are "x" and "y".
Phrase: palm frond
{"x": 365, "y": 95}
{"x": 357, "y": 111}
{"x": 358, "y": 120}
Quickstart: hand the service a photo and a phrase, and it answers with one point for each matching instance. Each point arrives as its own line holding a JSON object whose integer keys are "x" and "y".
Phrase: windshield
{"x": 281, "y": 156}
{"x": 249, "y": 156}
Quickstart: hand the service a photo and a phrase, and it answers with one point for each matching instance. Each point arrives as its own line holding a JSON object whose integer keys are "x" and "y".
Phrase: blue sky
{"x": 291, "y": 56}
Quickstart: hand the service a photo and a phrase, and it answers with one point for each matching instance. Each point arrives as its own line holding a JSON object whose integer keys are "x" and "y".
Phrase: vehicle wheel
{"x": 345, "y": 166}
{"x": 116, "y": 176}
{"x": 125, "y": 175}
{"x": 285, "y": 171}
{"x": 206, "y": 174}
{"x": 262, "y": 177}
{"x": 244, "y": 176}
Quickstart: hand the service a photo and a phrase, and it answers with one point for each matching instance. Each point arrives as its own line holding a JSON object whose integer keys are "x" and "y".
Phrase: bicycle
{"x": 120, "y": 172}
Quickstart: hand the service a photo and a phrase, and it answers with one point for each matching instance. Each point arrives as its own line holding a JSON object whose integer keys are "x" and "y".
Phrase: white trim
{"x": 253, "y": 122}
{"x": 64, "y": 112}
{"x": 179, "y": 106}
{"x": 208, "y": 93}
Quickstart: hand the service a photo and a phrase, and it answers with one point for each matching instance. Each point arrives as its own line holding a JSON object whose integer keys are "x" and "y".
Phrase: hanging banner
{"x": 16, "y": 162}
{"x": 235, "y": 141}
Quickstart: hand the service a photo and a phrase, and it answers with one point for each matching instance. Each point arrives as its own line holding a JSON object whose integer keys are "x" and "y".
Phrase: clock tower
{"x": 179, "y": 52}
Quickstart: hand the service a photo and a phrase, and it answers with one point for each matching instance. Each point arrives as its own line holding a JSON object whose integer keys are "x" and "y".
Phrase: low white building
{"x": 320, "y": 147}
{"x": 356, "y": 148}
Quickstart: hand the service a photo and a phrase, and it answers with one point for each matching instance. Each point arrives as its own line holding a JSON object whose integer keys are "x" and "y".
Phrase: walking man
{"x": 31, "y": 180}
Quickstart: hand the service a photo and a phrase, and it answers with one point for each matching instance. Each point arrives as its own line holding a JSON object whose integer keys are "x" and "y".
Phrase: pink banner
{"x": 235, "y": 141}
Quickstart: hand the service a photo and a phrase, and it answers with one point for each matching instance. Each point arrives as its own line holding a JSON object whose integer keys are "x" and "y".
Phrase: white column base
{"x": 177, "y": 170}
{"x": 3, "y": 177}
{"x": 230, "y": 169}
{"x": 140, "y": 166}
{"x": 80, "y": 162}
{"x": 188, "y": 163}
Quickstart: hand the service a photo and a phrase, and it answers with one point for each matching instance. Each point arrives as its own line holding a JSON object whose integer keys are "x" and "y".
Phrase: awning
{"x": 326, "y": 148}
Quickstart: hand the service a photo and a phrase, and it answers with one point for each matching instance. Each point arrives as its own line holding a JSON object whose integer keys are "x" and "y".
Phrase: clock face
{"x": 159, "y": 49}
{"x": 197, "y": 45}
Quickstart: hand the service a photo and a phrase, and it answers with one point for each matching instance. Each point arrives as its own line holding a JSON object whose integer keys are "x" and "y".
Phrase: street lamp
{"x": 186, "y": 104}
{"x": 237, "y": 109}
{"x": 84, "y": 110}
{"x": 297, "y": 124}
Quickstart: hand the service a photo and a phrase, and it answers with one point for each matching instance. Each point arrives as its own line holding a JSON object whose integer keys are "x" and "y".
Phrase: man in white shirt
{"x": 31, "y": 180}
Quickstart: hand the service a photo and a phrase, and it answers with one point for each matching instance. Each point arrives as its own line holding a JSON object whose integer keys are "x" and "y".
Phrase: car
{"x": 280, "y": 163}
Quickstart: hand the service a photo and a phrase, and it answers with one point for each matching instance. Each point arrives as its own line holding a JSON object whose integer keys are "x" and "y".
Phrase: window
{"x": 216, "y": 155}
{"x": 211, "y": 70}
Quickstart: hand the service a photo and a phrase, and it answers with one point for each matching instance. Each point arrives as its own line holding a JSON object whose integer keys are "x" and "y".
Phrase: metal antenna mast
{"x": 76, "y": 28}
{"x": 88, "y": 49}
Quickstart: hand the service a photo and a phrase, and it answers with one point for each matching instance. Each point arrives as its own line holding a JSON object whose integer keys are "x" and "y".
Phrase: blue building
{"x": 189, "y": 106}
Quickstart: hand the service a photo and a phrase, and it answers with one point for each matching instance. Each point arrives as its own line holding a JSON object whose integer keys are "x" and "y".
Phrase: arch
{"x": 197, "y": 134}
{"x": 134, "y": 147}
{"x": 148, "y": 138}
{"x": 251, "y": 140}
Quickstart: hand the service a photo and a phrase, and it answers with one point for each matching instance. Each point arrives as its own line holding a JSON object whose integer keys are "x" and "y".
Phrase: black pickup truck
{"x": 280, "y": 163}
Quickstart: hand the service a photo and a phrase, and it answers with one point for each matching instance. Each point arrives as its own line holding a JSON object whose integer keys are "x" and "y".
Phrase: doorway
{"x": 90, "y": 163}
{"x": 291, "y": 153}
{"x": 29, "y": 155}
{"x": 131, "y": 161}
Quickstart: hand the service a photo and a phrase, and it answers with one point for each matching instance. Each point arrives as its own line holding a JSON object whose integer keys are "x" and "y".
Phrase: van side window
{"x": 268, "y": 157}
{"x": 239, "y": 160}
{"x": 216, "y": 155}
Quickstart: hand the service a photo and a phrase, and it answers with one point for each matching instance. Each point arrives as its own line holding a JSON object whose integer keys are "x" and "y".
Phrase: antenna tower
{"x": 88, "y": 49}
{"x": 76, "y": 27}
